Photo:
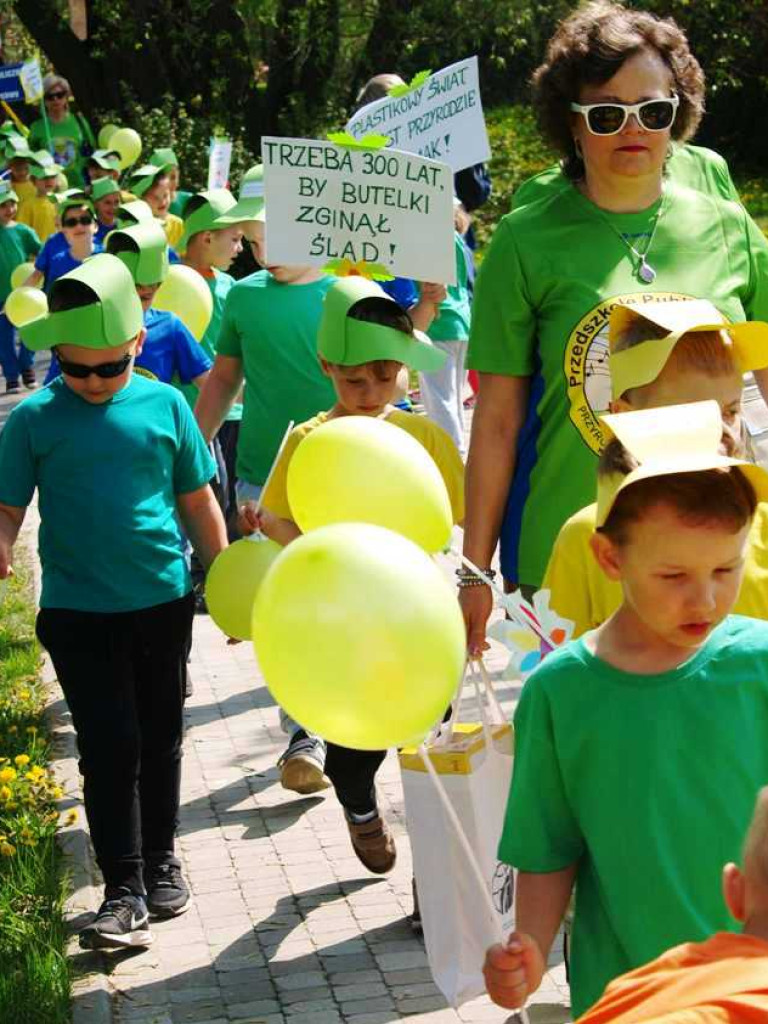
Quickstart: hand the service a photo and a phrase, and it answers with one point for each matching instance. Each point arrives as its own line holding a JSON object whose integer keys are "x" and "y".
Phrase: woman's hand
{"x": 513, "y": 971}
{"x": 476, "y": 607}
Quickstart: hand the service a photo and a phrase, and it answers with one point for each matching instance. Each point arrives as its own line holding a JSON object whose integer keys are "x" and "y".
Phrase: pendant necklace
{"x": 643, "y": 269}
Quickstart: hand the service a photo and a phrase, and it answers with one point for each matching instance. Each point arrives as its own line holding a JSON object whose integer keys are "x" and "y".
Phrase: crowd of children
{"x": 640, "y": 747}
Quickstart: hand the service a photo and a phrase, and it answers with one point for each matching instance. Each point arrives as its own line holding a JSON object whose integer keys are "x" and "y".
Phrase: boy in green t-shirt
{"x": 115, "y": 458}
{"x": 639, "y": 748}
{"x": 18, "y": 243}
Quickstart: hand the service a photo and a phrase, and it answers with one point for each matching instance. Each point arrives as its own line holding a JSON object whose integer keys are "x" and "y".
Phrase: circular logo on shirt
{"x": 587, "y": 373}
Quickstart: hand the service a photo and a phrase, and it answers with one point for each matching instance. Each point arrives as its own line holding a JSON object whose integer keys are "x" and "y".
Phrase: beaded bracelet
{"x": 468, "y": 578}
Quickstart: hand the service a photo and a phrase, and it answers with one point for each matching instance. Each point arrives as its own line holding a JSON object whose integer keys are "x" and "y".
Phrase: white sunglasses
{"x": 610, "y": 118}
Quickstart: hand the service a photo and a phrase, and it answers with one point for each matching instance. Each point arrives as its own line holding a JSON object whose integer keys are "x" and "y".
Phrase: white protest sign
{"x": 219, "y": 159}
{"x": 326, "y": 202}
{"x": 441, "y": 119}
{"x": 31, "y": 81}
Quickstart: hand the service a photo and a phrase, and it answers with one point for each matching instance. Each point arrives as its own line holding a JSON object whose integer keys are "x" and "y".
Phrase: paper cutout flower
{"x": 346, "y": 268}
{"x": 346, "y": 139}
{"x": 415, "y": 82}
{"x": 531, "y": 634}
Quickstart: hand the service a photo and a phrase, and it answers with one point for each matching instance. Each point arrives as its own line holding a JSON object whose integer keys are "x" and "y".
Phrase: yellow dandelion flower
{"x": 31, "y": 841}
{"x": 7, "y": 849}
{"x": 12, "y": 729}
{"x": 5, "y": 793}
{"x": 24, "y": 695}
{"x": 31, "y": 730}
{"x": 21, "y": 760}
{"x": 7, "y": 774}
{"x": 71, "y": 817}
{"x": 56, "y": 792}
{"x": 35, "y": 774}
{"x": 11, "y": 805}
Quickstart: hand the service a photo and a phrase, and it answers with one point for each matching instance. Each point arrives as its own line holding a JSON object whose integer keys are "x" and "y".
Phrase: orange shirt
{"x": 721, "y": 981}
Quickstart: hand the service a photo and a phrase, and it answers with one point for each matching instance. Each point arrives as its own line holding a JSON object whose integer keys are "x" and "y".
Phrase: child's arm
{"x": 281, "y": 531}
{"x": 218, "y": 395}
{"x": 514, "y": 971}
{"x": 34, "y": 280}
{"x": 203, "y": 523}
{"x": 11, "y": 519}
{"x": 425, "y": 310}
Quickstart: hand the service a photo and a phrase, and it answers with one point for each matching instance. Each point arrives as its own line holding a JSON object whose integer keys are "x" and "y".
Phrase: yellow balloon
{"x": 105, "y": 135}
{"x": 25, "y": 304}
{"x": 185, "y": 293}
{"x": 362, "y": 470}
{"x": 21, "y": 273}
{"x": 359, "y": 636}
{"x": 127, "y": 143}
{"x": 233, "y": 582}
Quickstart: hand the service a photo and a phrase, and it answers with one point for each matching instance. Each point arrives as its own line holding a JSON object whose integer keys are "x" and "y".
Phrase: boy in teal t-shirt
{"x": 115, "y": 458}
{"x": 639, "y": 748}
{"x": 17, "y": 244}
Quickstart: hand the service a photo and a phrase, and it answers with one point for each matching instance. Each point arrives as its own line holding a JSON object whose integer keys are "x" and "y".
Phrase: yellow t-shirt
{"x": 581, "y": 592}
{"x": 436, "y": 441}
{"x": 174, "y": 229}
{"x": 40, "y": 214}
{"x": 24, "y": 190}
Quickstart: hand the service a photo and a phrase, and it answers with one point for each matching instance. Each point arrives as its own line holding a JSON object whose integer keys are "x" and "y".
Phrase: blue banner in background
{"x": 10, "y": 85}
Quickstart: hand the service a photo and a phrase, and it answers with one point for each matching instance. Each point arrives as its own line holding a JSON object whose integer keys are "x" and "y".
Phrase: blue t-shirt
{"x": 56, "y": 261}
{"x": 102, "y": 231}
{"x": 107, "y": 477}
{"x": 169, "y": 351}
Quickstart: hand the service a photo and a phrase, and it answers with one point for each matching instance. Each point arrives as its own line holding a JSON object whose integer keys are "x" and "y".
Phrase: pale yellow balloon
{"x": 21, "y": 273}
{"x": 25, "y": 304}
{"x": 105, "y": 135}
{"x": 357, "y": 469}
{"x": 185, "y": 293}
{"x": 127, "y": 143}
{"x": 233, "y": 582}
{"x": 359, "y": 636}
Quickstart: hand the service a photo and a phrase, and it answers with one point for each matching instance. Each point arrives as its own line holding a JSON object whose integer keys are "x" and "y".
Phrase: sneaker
{"x": 374, "y": 844}
{"x": 167, "y": 892}
{"x": 302, "y": 766}
{"x": 12, "y": 387}
{"x": 415, "y": 918}
{"x": 29, "y": 378}
{"x": 121, "y": 923}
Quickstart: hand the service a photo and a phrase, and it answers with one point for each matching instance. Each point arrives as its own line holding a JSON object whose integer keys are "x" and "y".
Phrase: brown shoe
{"x": 374, "y": 844}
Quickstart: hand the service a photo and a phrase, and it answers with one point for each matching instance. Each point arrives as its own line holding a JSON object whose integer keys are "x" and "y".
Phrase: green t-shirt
{"x": 219, "y": 284}
{"x": 454, "y": 313}
{"x": 272, "y": 328}
{"x": 553, "y": 272}
{"x": 107, "y": 477}
{"x": 693, "y": 166}
{"x": 649, "y": 784}
{"x": 17, "y": 244}
{"x": 67, "y": 137}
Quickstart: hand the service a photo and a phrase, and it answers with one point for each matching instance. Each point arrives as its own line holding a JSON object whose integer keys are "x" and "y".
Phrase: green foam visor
{"x": 208, "y": 211}
{"x": 104, "y": 187}
{"x": 347, "y": 342}
{"x": 135, "y": 212}
{"x": 16, "y": 148}
{"x": 106, "y": 159}
{"x": 7, "y": 193}
{"x": 164, "y": 158}
{"x": 250, "y": 198}
{"x": 42, "y": 165}
{"x": 112, "y": 318}
{"x": 143, "y": 249}
{"x": 72, "y": 197}
{"x": 143, "y": 178}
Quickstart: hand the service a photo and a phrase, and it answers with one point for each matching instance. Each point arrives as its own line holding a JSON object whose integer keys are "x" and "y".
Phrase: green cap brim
{"x": 112, "y": 319}
{"x": 104, "y": 187}
{"x": 349, "y": 342}
{"x": 8, "y": 194}
{"x": 147, "y": 259}
{"x": 142, "y": 179}
{"x": 216, "y": 212}
{"x": 38, "y": 171}
{"x": 135, "y": 212}
{"x": 164, "y": 158}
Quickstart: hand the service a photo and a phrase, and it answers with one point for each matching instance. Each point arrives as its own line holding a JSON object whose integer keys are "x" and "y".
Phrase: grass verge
{"x": 34, "y": 977}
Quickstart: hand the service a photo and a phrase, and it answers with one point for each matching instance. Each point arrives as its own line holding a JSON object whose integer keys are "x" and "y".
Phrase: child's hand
{"x": 250, "y": 519}
{"x": 513, "y": 971}
{"x": 6, "y": 568}
{"x": 434, "y": 293}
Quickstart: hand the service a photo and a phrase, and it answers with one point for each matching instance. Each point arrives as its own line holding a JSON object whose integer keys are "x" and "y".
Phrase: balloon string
{"x": 464, "y": 843}
{"x": 514, "y": 613}
{"x": 270, "y": 474}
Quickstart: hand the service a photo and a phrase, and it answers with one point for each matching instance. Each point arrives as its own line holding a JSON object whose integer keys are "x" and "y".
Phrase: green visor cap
{"x": 164, "y": 158}
{"x": 208, "y": 211}
{"x": 106, "y": 159}
{"x": 144, "y": 251}
{"x": 15, "y": 148}
{"x": 72, "y": 197}
{"x": 250, "y": 198}
{"x": 104, "y": 187}
{"x": 133, "y": 213}
{"x": 143, "y": 178}
{"x": 42, "y": 165}
{"x": 7, "y": 193}
{"x": 348, "y": 342}
{"x": 112, "y": 318}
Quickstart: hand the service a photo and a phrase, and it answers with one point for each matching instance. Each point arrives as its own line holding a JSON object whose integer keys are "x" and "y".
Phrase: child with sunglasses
{"x": 77, "y": 242}
{"x": 115, "y": 458}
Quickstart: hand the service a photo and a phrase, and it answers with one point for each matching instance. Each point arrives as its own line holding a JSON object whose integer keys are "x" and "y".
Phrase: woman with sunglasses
{"x": 68, "y": 133}
{"x": 617, "y": 87}
{"x": 78, "y": 230}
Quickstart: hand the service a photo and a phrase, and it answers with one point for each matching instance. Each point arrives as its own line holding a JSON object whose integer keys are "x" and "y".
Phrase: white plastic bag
{"x": 473, "y": 766}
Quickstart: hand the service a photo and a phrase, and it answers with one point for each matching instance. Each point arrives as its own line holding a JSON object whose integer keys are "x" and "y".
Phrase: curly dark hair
{"x": 590, "y": 46}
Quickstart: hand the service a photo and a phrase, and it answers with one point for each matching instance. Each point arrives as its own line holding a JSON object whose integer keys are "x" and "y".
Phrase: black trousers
{"x": 123, "y": 678}
{"x": 352, "y": 773}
